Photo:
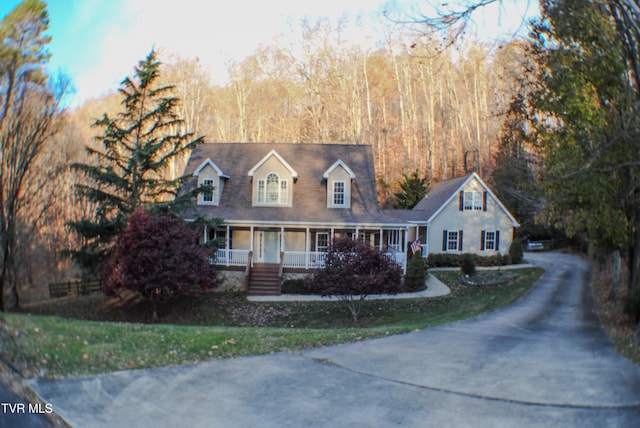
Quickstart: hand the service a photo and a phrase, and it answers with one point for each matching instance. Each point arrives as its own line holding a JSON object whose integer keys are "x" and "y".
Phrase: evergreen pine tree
{"x": 413, "y": 189}
{"x": 138, "y": 146}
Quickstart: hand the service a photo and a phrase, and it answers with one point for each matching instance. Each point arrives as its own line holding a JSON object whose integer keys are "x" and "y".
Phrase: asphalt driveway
{"x": 544, "y": 361}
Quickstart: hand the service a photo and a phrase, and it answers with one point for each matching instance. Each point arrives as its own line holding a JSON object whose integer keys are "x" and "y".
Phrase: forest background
{"x": 421, "y": 108}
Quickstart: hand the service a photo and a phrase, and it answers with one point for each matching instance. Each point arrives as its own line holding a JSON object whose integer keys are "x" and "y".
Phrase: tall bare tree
{"x": 30, "y": 105}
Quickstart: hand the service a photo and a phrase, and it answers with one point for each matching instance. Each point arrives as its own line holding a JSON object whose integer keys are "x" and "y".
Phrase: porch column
{"x": 307, "y": 247}
{"x": 227, "y": 245}
{"x": 425, "y": 253}
{"x": 281, "y": 238}
{"x": 404, "y": 265}
{"x": 252, "y": 243}
{"x": 380, "y": 243}
{"x": 281, "y": 255}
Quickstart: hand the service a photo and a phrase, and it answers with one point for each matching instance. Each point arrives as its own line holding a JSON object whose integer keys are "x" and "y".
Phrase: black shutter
{"x": 482, "y": 235}
{"x": 497, "y": 240}
{"x": 444, "y": 240}
{"x": 459, "y": 240}
{"x": 461, "y": 204}
{"x": 484, "y": 201}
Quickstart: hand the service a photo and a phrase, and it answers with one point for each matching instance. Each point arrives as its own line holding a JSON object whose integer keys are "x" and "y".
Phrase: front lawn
{"x": 93, "y": 334}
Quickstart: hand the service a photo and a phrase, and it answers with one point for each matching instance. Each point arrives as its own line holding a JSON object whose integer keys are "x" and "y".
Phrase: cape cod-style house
{"x": 283, "y": 203}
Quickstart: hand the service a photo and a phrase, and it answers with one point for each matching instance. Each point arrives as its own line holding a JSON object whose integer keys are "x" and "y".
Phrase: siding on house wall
{"x": 294, "y": 241}
{"x": 273, "y": 165}
{"x": 472, "y": 223}
{"x": 339, "y": 174}
{"x": 241, "y": 239}
{"x": 209, "y": 173}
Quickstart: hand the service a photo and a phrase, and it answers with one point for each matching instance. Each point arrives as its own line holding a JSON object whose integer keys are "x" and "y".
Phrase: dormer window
{"x": 208, "y": 196}
{"x": 339, "y": 179}
{"x": 273, "y": 190}
{"x": 339, "y": 199}
{"x": 210, "y": 175}
{"x": 272, "y": 177}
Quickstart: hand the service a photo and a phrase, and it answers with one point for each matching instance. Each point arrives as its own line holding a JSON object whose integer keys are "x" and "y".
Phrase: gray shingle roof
{"x": 310, "y": 161}
{"x": 438, "y": 196}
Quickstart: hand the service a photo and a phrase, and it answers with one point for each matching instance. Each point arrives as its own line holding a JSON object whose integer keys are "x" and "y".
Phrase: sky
{"x": 98, "y": 42}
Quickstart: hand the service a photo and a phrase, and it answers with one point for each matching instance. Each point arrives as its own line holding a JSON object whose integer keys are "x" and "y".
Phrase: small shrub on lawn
{"x": 468, "y": 265}
{"x": 515, "y": 251}
{"x": 416, "y": 276}
{"x": 353, "y": 270}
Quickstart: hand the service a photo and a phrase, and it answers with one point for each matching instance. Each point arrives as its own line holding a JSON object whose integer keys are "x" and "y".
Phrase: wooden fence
{"x": 550, "y": 244}
{"x": 74, "y": 287}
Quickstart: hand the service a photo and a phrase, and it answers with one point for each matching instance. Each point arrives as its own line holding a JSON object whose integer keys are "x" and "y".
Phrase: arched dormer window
{"x": 272, "y": 190}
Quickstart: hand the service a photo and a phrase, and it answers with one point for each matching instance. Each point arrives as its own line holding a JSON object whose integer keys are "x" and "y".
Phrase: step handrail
{"x": 247, "y": 270}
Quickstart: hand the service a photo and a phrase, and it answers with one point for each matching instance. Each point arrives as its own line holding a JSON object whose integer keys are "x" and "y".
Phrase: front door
{"x": 267, "y": 246}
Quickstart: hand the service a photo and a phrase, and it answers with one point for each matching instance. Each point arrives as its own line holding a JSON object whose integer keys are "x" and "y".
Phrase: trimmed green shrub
{"x": 515, "y": 251}
{"x": 436, "y": 260}
{"x": 416, "y": 276}
{"x": 294, "y": 286}
{"x": 467, "y": 264}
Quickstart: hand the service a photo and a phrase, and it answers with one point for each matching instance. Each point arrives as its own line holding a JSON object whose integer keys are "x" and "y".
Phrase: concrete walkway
{"x": 435, "y": 288}
{"x": 543, "y": 362}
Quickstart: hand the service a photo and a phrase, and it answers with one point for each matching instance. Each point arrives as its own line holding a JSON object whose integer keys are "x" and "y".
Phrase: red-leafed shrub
{"x": 353, "y": 270}
{"x": 159, "y": 258}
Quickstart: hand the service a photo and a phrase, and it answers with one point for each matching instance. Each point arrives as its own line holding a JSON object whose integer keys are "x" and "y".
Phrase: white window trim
{"x": 325, "y": 247}
{"x": 203, "y": 200}
{"x": 488, "y": 240}
{"x": 450, "y": 234}
{"x": 472, "y": 200}
{"x": 262, "y": 190}
{"x": 334, "y": 193}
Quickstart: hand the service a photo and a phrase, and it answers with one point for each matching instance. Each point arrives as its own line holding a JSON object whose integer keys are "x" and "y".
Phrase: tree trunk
{"x": 615, "y": 276}
{"x": 634, "y": 257}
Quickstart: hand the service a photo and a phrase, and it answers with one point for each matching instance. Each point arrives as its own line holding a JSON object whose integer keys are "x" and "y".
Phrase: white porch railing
{"x": 292, "y": 259}
{"x": 232, "y": 257}
{"x": 398, "y": 256}
{"x": 302, "y": 259}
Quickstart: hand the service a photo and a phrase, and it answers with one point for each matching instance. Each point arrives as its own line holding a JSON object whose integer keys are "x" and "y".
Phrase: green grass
{"x": 222, "y": 325}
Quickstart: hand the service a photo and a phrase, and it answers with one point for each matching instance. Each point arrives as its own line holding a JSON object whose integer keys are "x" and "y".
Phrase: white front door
{"x": 267, "y": 246}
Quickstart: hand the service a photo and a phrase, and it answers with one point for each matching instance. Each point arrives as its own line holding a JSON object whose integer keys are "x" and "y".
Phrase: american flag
{"x": 415, "y": 246}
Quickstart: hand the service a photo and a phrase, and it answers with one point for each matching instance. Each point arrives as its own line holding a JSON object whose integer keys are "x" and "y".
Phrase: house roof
{"x": 274, "y": 153}
{"x": 213, "y": 165}
{"x": 439, "y": 196}
{"x": 338, "y": 163}
{"x": 309, "y": 205}
{"x": 431, "y": 205}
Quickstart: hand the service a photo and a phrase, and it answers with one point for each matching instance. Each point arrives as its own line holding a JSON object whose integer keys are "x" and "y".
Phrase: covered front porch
{"x": 299, "y": 247}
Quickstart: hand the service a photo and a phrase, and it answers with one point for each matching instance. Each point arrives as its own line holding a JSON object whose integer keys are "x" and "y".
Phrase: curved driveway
{"x": 544, "y": 361}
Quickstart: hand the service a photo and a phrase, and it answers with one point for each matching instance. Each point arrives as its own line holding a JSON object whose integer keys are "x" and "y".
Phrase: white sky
{"x": 98, "y": 42}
